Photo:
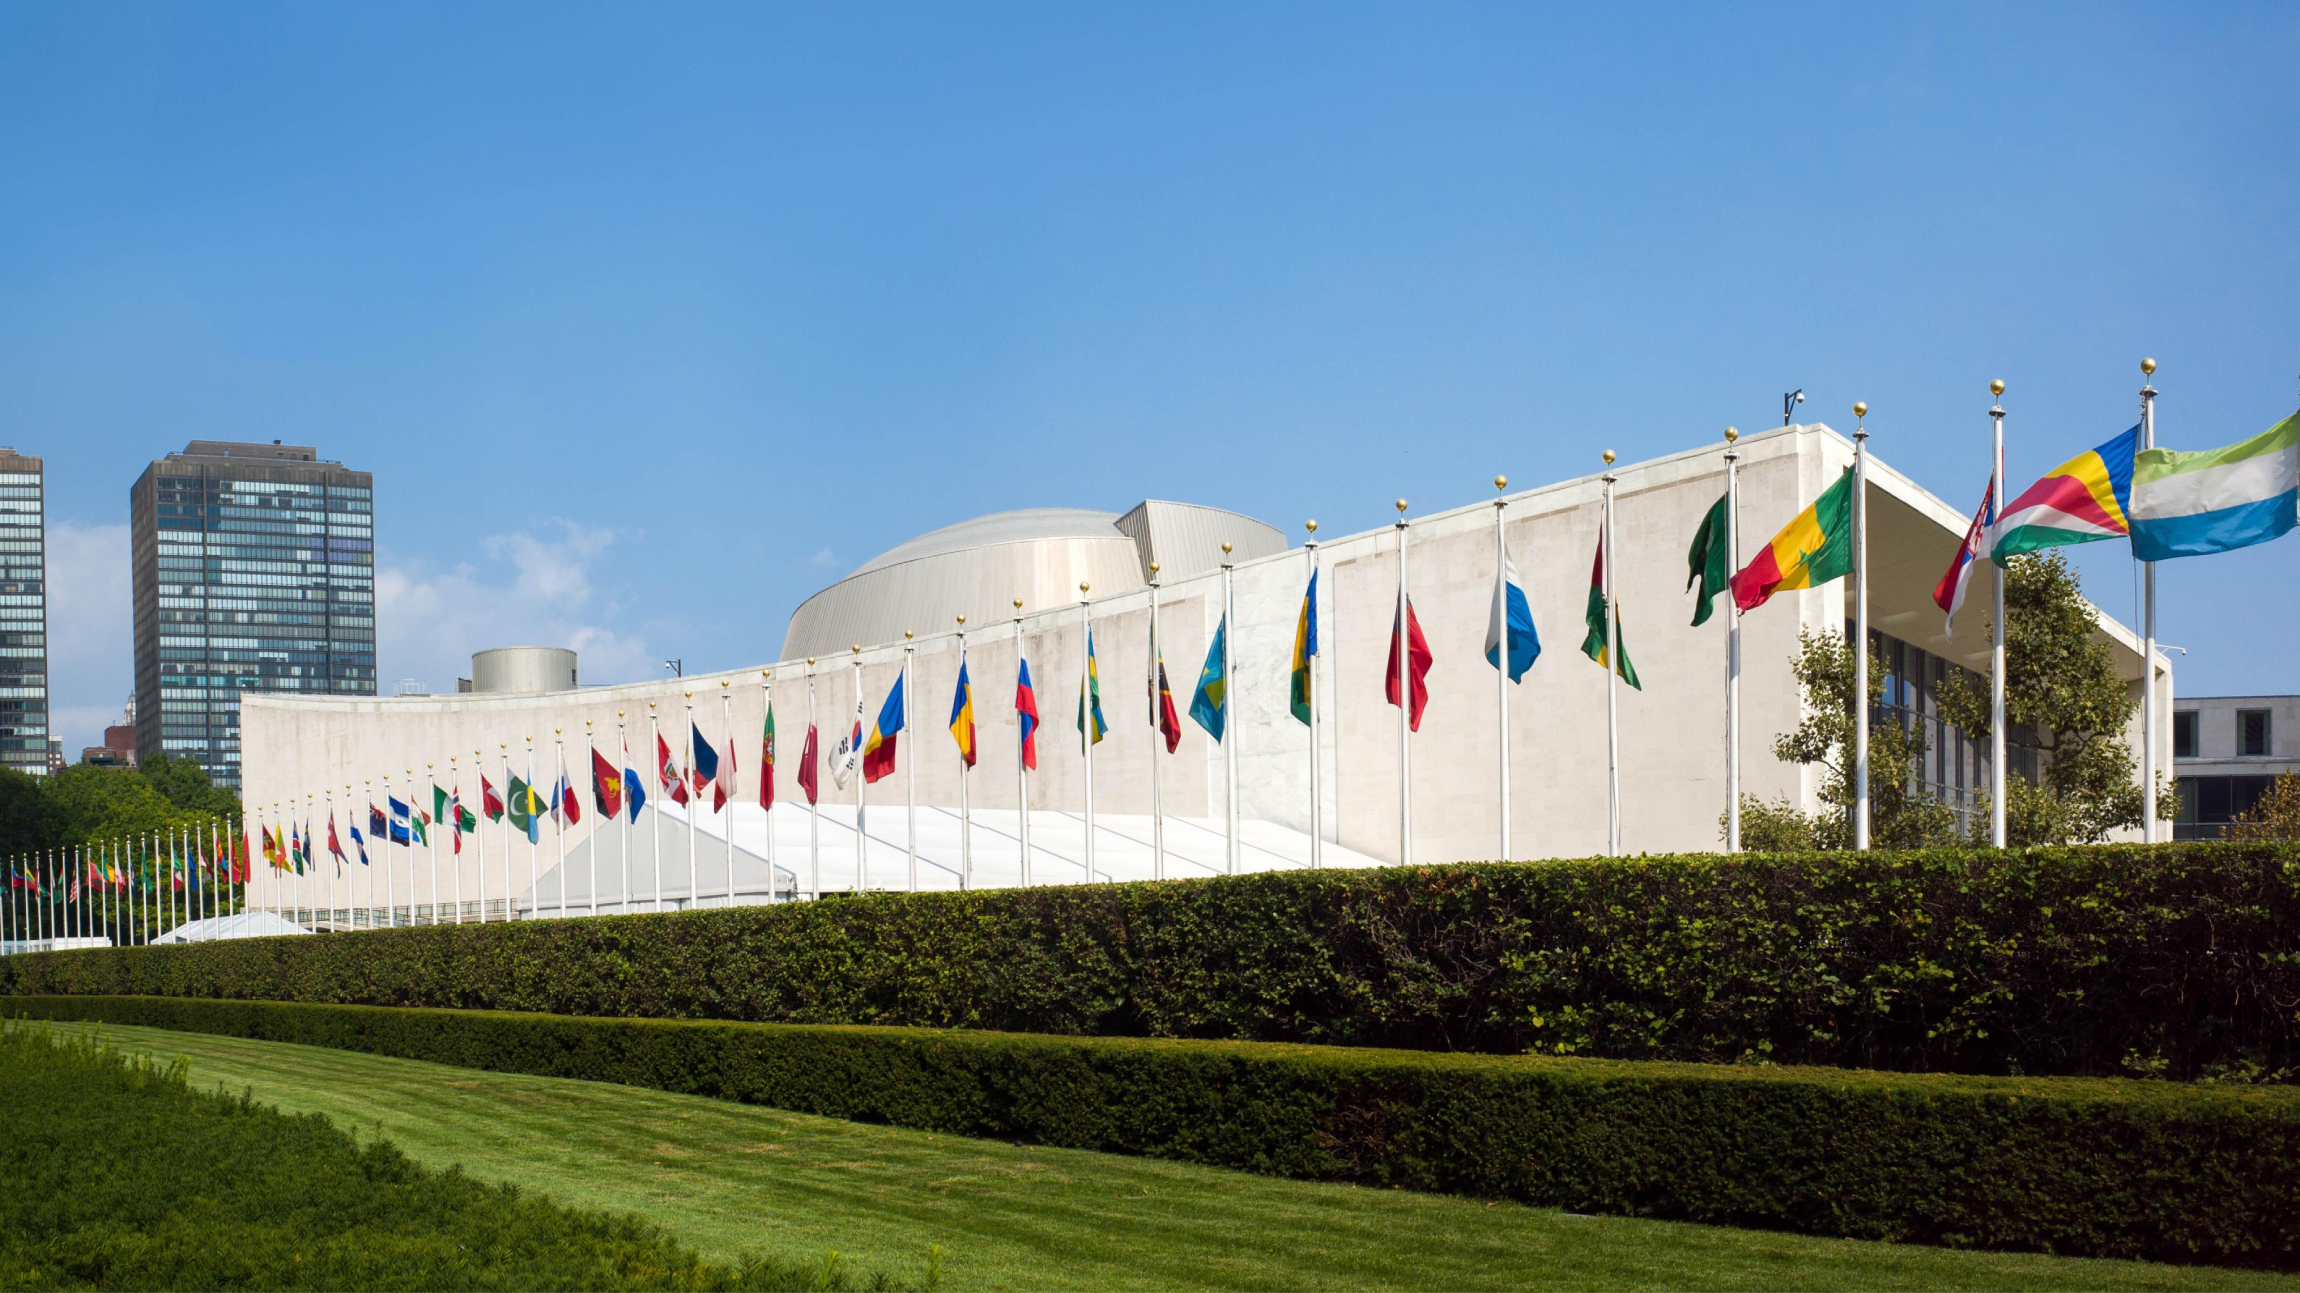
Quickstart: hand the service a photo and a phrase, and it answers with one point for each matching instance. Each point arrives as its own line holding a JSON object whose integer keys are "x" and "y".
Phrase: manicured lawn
{"x": 730, "y": 1179}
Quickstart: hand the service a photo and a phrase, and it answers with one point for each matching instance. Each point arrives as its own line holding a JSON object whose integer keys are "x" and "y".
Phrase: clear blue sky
{"x": 652, "y": 320}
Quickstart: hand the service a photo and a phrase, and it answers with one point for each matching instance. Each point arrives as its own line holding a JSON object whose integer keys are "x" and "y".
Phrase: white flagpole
{"x": 1157, "y": 739}
{"x": 1317, "y": 755}
{"x": 728, "y": 769}
{"x": 1997, "y": 637}
{"x": 331, "y": 856}
{"x": 1860, "y": 627}
{"x": 1021, "y": 770}
{"x": 1403, "y": 661}
{"x": 2148, "y": 632}
{"x": 767, "y": 776}
{"x": 854, "y": 731}
{"x": 534, "y": 888}
{"x": 1086, "y": 699}
{"x": 623, "y": 806}
{"x": 694, "y": 799}
{"x": 1732, "y": 645}
{"x": 965, "y": 811}
{"x": 431, "y": 838}
{"x": 591, "y": 770}
{"x": 1229, "y": 725}
{"x": 1501, "y": 650}
{"x": 215, "y": 866}
{"x": 814, "y": 808}
{"x": 655, "y": 823}
{"x": 1612, "y": 671}
{"x": 559, "y": 790}
{"x": 909, "y": 766}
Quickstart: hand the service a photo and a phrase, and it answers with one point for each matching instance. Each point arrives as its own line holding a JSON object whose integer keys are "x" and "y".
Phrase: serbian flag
{"x": 767, "y": 760}
{"x": 489, "y": 802}
{"x": 1949, "y": 594}
{"x": 1811, "y": 550}
{"x": 674, "y": 785}
{"x": 1026, "y": 712}
{"x": 1417, "y": 660}
{"x": 878, "y": 750}
{"x": 809, "y": 779}
{"x": 962, "y": 715}
{"x": 606, "y": 786}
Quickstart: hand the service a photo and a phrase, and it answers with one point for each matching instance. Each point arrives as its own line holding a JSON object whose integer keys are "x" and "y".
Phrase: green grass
{"x": 115, "y": 1173}
{"x": 734, "y": 1179}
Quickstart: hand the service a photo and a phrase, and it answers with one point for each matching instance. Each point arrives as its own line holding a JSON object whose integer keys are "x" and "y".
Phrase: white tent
{"x": 245, "y": 924}
{"x": 808, "y": 862}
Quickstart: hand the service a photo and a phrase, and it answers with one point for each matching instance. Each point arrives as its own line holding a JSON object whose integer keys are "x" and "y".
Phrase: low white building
{"x": 2227, "y": 751}
{"x": 1673, "y": 756}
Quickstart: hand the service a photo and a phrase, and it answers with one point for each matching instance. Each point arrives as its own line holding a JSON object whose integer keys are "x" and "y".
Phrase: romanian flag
{"x": 1593, "y": 643}
{"x": 1026, "y": 712}
{"x": 878, "y": 750}
{"x": 1305, "y": 650}
{"x": 962, "y": 715}
{"x": 2082, "y": 500}
{"x": 767, "y": 760}
{"x": 1808, "y": 552}
{"x": 606, "y": 786}
{"x": 1090, "y": 700}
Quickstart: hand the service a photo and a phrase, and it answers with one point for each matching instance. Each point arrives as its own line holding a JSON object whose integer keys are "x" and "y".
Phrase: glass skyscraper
{"x": 23, "y": 615}
{"x": 254, "y": 571}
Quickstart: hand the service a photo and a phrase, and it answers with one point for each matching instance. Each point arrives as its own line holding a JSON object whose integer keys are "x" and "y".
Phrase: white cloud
{"x": 91, "y": 642}
{"x": 430, "y": 621}
{"x": 825, "y": 557}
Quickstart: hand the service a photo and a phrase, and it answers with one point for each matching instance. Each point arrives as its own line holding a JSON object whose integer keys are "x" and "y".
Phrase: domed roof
{"x": 1018, "y": 526}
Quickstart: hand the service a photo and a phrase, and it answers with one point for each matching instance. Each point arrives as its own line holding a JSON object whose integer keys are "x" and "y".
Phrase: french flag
{"x": 1949, "y": 594}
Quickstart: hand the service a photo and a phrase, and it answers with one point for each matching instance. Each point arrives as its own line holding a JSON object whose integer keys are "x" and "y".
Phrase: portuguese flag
{"x": 1808, "y": 552}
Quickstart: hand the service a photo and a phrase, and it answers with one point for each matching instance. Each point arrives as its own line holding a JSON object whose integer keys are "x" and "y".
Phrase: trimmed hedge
{"x": 2178, "y": 960}
{"x": 2115, "y": 1168}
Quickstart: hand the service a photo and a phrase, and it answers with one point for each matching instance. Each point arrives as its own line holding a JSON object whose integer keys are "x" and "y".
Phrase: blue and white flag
{"x": 1511, "y": 609}
{"x": 634, "y": 794}
{"x": 2216, "y": 500}
{"x": 359, "y": 841}
{"x": 400, "y": 833}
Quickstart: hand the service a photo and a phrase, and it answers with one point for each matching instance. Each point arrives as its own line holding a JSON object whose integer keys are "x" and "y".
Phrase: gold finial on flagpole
{"x": 810, "y": 660}
{"x": 1311, "y": 525}
{"x": 2148, "y": 368}
{"x": 690, "y": 693}
{"x": 962, "y": 618}
{"x": 1732, "y": 434}
{"x": 1500, "y": 483}
{"x": 1401, "y": 505}
{"x": 1081, "y": 585}
{"x": 1609, "y": 457}
{"x": 1225, "y": 547}
{"x": 1997, "y": 387}
{"x": 723, "y": 682}
{"x": 1017, "y": 604}
{"x": 906, "y": 635}
{"x": 856, "y": 648}
{"x": 1860, "y": 408}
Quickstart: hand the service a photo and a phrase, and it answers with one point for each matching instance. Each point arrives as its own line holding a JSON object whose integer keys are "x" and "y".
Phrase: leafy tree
{"x": 29, "y": 820}
{"x": 1900, "y": 814}
{"x": 184, "y": 783}
{"x": 2064, "y": 699}
{"x": 2274, "y": 816}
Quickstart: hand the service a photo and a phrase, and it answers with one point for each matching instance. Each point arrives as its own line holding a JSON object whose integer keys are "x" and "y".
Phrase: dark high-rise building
{"x": 254, "y": 571}
{"x": 23, "y": 615}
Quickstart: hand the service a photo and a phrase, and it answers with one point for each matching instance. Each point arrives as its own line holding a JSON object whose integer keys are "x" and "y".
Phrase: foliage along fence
{"x": 2177, "y": 960}
{"x": 2120, "y": 1168}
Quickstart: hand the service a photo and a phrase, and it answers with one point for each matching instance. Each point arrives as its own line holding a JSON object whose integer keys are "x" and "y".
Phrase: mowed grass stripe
{"x": 730, "y": 1179}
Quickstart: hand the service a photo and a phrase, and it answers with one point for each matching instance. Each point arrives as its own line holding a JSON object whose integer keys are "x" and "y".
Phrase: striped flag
{"x": 2216, "y": 500}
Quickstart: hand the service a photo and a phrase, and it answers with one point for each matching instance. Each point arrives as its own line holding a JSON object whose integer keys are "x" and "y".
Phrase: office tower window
{"x": 2184, "y": 734}
{"x": 2252, "y": 733}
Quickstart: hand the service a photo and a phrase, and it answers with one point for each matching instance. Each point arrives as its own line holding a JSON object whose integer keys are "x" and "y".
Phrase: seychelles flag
{"x": 2081, "y": 501}
{"x": 878, "y": 751}
{"x": 1026, "y": 712}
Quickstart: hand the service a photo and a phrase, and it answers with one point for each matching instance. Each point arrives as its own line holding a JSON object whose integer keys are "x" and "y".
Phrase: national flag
{"x": 846, "y": 756}
{"x": 962, "y": 715}
{"x": 2081, "y": 501}
{"x": 489, "y": 802}
{"x": 1162, "y": 713}
{"x": 1593, "y": 644}
{"x": 1305, "y": 651}
{"x": 1511, "y": 622}
{"x": 2216, "y": 500}
{"x": 809, "y": 776}
{"x": 296, "y": 851}
{"x": 334, "y": 845}
{"x": 1026, "y": 711}
{"x": 566, "y": 805}
{"x": 272, "y": 853}
{"x": 1090, "y": 699}
{"x": 606, "y": 786}
{"x": 1709, "y": 562}
{"x": 1210, "y": 704}
{"x": 460, "y": 819}
{"x": 1417, "y": 663}
{"x": 704, "y": 768}
{"x": 376, "y": 827}
{"x": 525, "y": 808}
{"x": 310, "y": 844}
{"x": 358, "y": 841}
{"x": 878, "y": 749}
{"x": 667, "y": 774}
{"x": 634, "y": 792}
{"x": 402, "y": 826}
{"x": 1949, "y": 594}
{"x": 723, "y": 789}
{"x": 767, "y": 759}
{"x": 240, "y": 860}
{"x": 1810, "y": 550}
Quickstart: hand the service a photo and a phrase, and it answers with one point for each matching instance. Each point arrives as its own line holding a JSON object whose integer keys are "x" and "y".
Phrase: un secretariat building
{"x": 254, "y": 570}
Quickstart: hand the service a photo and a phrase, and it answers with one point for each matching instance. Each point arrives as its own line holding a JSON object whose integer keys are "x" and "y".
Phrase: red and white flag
{"x": 1949, "y": 594}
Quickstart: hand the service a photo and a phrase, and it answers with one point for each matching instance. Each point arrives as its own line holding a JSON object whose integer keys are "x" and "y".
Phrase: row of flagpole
{"x": 1407, "y": 663}
{"x": 88, "y": 891}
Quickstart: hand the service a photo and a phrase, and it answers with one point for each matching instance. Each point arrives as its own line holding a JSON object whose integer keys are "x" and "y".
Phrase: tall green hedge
{"x": 2178, "y": 960}
{"x": 2068, "y": 1165}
